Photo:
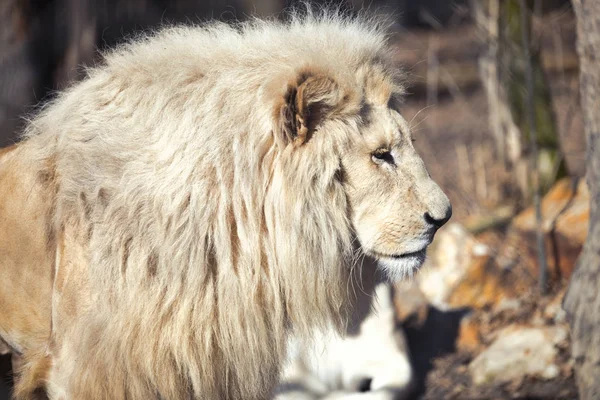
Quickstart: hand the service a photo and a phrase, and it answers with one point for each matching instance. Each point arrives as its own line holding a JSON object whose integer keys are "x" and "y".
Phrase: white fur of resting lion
{"x": 370, "y": 363}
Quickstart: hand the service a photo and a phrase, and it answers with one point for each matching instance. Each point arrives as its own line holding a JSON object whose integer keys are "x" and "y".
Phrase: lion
{"x": 167, "y": 223}
{"x": 370, "y": 361}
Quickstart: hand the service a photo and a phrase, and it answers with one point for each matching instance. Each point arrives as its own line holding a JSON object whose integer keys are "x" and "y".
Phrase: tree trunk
{"x": 502, "y": 67}
{"x": 81, "y": 40}
{"x": 582, "y": 301}
{"x": 19, "y": 80}
{"x": 266, "y": 8}
{"x": 39, "y": 51}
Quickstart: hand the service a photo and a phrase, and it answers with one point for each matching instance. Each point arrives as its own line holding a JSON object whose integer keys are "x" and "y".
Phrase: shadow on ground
{"x": 432, "y": 339}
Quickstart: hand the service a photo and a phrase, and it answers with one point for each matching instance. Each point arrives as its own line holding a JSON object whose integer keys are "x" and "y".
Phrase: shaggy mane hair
{"x": 209, "y": 236}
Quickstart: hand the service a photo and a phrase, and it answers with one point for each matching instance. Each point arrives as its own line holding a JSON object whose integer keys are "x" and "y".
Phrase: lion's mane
{"x": 207, "y": 236}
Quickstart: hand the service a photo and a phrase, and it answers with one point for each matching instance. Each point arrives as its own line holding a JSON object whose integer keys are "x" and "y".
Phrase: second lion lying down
{"x": 200, "y": 196}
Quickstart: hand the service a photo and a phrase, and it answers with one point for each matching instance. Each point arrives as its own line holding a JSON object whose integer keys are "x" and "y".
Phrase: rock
{"x": 483, "y": 285}
{"x": 447, "y": 264}
{"x": 553, "y": 312}
{"x": 462, "y": 273}
{"x": 411, "y": 305}
{"x": 565, "y": 220}
{"x": 469, "y": 335}
{"x": 519, "y": 352}
{"x": 508, "y": 305}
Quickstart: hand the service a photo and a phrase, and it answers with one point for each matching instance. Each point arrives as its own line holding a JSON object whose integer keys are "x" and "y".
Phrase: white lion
{"x": 371, "y": 361}
{"x": 170, "y": 221}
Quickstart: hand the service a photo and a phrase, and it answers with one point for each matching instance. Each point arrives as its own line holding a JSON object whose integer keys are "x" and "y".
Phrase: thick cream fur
{"x": 192, "y": 226}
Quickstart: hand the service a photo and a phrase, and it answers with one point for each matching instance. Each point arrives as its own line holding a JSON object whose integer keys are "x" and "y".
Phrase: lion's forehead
{"x": 384, "y": 128}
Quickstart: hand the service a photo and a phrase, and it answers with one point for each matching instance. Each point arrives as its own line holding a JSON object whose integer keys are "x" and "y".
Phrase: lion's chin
{"x": 401, "y": 267}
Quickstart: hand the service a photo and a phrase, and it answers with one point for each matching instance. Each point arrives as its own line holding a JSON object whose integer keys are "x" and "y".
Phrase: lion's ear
{"x": 306, "y": 105}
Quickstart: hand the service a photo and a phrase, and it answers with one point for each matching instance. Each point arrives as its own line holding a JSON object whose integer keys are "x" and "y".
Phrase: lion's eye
{"x": 381, "y": 156}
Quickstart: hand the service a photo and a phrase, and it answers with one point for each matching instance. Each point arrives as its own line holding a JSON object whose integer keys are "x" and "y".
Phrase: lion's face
{"x": 395, "y": 206}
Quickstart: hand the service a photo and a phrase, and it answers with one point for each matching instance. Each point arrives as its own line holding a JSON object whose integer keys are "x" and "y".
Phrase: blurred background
{"x": 484, "y": 137}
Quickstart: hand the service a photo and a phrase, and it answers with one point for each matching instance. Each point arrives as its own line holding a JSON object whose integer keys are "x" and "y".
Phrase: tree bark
{"x": 266, "y": 8}
{"x": 582, "y": 300}
{"x": 502, "y": 67}
{"x": 19, "y": 81}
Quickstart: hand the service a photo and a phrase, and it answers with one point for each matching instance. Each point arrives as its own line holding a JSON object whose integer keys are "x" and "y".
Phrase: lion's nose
{"x": 439, "y": 222}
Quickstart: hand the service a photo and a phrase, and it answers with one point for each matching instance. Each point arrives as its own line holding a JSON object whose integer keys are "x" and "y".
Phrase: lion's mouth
{"x": 414, "y": 254}
{"x": 400, "y": 266}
